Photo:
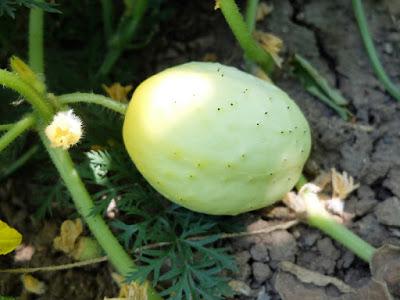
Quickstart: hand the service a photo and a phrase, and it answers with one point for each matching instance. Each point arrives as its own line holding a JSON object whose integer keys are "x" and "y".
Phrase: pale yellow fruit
{"x": 215, "y": 139}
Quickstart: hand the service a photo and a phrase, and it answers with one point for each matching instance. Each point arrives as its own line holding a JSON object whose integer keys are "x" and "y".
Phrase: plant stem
{"x": 312, "y": 209}
{"x": 123, "y": 36}
{"x": 342, "y": 234}
{"x": 18, "y": 163}
{"x": 83, "y": 202}
{"x": 239, "y": 28}
{"x": 302, "y": 181}
{"x": 36, "y": 60}
{"x": 320, "y": 81}
{"x": 14, "y": 82}
{"x": 371, "y": 51}
{"x": 93, "y": 98}
{"x": 4, "y": 127}
{"x": 250, "y": 17}
{"x": 107, "y": 11}
{"x": 15, "y": 131}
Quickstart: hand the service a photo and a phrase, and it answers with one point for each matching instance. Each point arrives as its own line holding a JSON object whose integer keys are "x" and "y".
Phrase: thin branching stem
{"x": 95, "y": 99}
{"x": 16, "y": 130}
{"x": 19, "y": 162}
{"x": 36, "y": 56}
{"x": 251, "y": 12}
{"x": 4, "y": 127}
{"x": 239, "y": 28}
{"x": 372, "y": 54}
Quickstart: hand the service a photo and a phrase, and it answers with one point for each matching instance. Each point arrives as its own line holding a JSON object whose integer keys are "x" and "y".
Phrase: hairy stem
{"x": 239, "y": 28}
{"x": 83, "y": 202}
{"x": 36, "y": 58}
{"x": 14, "y": 82}
{"x": 93, "y": 98}
{"x": 16, "y": 130}
{"x": 372, "y": 54}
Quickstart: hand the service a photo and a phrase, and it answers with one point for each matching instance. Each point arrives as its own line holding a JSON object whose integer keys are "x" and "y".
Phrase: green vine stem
{"x": 316, "y": 215}
{"x": 123, "y": 35}
{"x": 36, "y": 60}
{"x": 251, "y": 12}
{"x": 16, "y": 130}
{"x": 371, "y": 51}
{"x": 4, "y": 127}
{"x": 83, "y": 202}
{"x": 109, "y": 103}
{"x": 15, "y": 83}
{"x": 107, "y": 12}
{"x": 15, "y": 165}
{"x": 342, "y": 234}
{"x": 239, "y": 28}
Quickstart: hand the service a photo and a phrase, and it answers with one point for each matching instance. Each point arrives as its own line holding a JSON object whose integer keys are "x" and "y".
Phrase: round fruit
{"x": 214, "y": 139}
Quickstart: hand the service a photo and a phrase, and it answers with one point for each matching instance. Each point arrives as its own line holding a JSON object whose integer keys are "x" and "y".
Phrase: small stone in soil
{"x": 388, "y": 212}
{"x": 259, "y": 252}
{"x": 371, "y": 230}
{"x": 244, "y": 268}
{"x": 345, "y": 261}
{"x": 261, "y": 272}
{"x": 281, "y": 245}
{"x": 392, "y": 181}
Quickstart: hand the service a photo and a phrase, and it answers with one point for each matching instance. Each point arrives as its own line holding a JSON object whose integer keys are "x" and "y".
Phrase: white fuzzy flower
{"x": 65, "y": 130}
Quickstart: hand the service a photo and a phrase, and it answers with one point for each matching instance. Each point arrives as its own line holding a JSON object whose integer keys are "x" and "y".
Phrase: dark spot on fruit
{"x": 198, "y": 165}
{"x": 190, "y": 176}
{"x": 218, "y": 108}
{"x": 243, "y": 155}
{"x": 288, "y": 107}
{"x": 285, "y": 159}
{"x": 295, "y": 127}
{"x": 158, "y": 182}
{"x": 266, "y": 113}
{"x": 282, "y": 132}
{"x": 258, "y": 124}
{"x": 218, "y": 69}
{"x": 231, "y": 104}
{"x": 290, "y": 131}
{"x": 289, "y": 179}
{"x": 270, "y": 174}
{"x": 228, "y": 165}
{"x": 302, "y": 151}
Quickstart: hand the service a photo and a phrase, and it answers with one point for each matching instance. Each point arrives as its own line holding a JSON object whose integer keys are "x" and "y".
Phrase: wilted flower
{"x": 65, "y": 130}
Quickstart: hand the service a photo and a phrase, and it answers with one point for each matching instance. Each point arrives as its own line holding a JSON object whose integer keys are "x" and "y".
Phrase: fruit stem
{"x": 316, "y": 215}
{"x": 371, "y": 51}
{"x": 239, "y": 28}
{"x": 95, "y": 99}
{"x": 36, "y": 57}
{"x": 16, "y": 130}
{"x": 83, "y": 202}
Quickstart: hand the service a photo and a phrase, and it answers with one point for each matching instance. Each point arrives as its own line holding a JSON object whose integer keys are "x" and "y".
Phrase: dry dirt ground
{"x": 326, "y": 34}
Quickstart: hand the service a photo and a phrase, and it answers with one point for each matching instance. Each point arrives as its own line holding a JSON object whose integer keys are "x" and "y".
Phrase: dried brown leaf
{"x": 263, "y": 10}
{"x": 272, "y": 44}
{"x": 70, "y": 231}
